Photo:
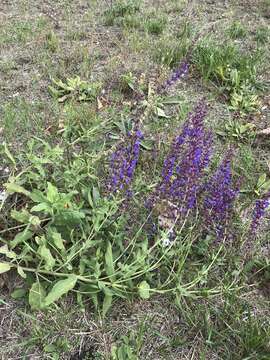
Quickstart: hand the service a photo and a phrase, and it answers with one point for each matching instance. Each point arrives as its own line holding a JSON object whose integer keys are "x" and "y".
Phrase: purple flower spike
{"x": 180, "y": 72}
{"x": 220, "y": 198}
{"x": 124, "y": 161}
{"x": 184, "y": 166}
{"x": 259, "y": 212}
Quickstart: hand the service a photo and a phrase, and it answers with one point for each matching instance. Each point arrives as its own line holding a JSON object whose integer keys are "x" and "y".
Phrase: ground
{"x": 45, "y": 40}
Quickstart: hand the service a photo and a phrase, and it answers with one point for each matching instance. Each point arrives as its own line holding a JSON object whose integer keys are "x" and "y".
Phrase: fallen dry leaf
{"x": 99, "y": 104}
{"x": 264, "y": 132}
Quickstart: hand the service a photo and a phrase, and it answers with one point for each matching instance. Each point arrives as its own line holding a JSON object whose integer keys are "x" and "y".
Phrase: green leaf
{"x": 96, "y": 195}
{"x": 266, "y": 185}
{"x": 46, "y": 255}
{"x": 60, "y": 288}
{"x": 36, "y": 296}
{"x": 21, "y": 272}
{"x": 52, "y": 193}
{"x": 4, "y": 250}
{"x": 173, "y": 100}
{"x": 161, "y": 113}
{"x": 57, "y": 240}
{"x": 107, "y": 303}
{"x": 8, "y": 154}
{"x": 21, "y": 237}
{"x": 147, "y": 145}
{"x": 109, "y": 260}
{"x": 37, "y": 196}
{"x": 4, "y": 267}
{"x": 18, "y": 293}
{"x": 144, "y": 290}
{"x": 261, "y": 180}
{"x": 41, "y": 207}
{"x": 22, "y": 216}
{"x": 14, "y": 188}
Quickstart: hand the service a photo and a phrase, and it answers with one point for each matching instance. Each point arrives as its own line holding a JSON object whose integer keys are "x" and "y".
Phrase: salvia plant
{"x": 220, "y": 198}
{"x": 72, "y": 237}
{"x": 124, "y": 160}
{"x": 184, "y": 167}
{"x": 177, "y": 74}
{"x": 259, "y": 212}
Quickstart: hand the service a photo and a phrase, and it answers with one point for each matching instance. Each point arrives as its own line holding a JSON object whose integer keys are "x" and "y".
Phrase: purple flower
{"x": 123, "y": 162}
{"x": 184, "y": 166}
{"x": 180, "y": 72}
{"x": 220, "y": 198}
{"x": 259, "y": 212}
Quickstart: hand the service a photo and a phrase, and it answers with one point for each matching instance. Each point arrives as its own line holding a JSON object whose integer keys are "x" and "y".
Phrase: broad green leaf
{"x": 144, "y": 290}
{"x": 18, "y": 293}
{"x": 68, "y": 217}
{"x": 21, "y": 272}
{"x": 109, "y": 260}
{"x": 46, "y": 255}
{"x": 60, "y": 288}
{"x": 21, "y": 237}
{"x": 14, "y": 188}
{"x": 41, "y": 207}
{"x": 94, "y": 298}
{"x": 4, "y": 267}
{"x": 22, "y": 216}
{"x": 266, "y": 185}
{"x": 36, "y": 296}
{"x": 96, "y": 195}
{"x": 107, "y": 303}
{"x": 4, "y": 250}
{"x": 161, "y": 113}
{"x": 37, "y": 196}
{"x": 52, "y": 193}
{"x": 57, "y": 240}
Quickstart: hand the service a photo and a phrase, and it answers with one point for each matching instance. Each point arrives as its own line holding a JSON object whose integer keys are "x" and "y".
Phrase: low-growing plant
{"x": 155, "y": 25}
{"x": 244, "y": 100}
{"x": 170, "y": 51}
{"x": 73, "y": 237}
{"x": 237, "y": 30}
{"x": 264, "y": 8}
{"x": 262, "y": 34}
{"x": 231, "y": 70}
{"x": 124, "y": 351}
{"x": 262, "y": 186}
{"x": 238, "y": 131}
{"x": 52, "y": 41}
{"x": 120, "y": 9}
{"x": 127, "y": 82}
{"x": 130, "y": 22}
{"x": 74, "y": 88}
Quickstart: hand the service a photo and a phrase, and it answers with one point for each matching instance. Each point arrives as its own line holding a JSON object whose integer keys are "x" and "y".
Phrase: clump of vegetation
{"x": 170, "y": 52}
{"x": 237, "y": 131}
{"x": 155, "y": 25}
{"x": 262, "y": 35}
{"x": 230, "y": 69}
{"x": 74, "y": 88}
{"x": 52, "y": 41}
{"x": 120, "y": 10}
{"x": 237, "y": 30}
{"x": 63, "y": 227}
{"x": 143, "y": 187}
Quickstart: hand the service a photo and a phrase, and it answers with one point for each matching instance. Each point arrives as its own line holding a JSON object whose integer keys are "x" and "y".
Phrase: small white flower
{"x": 166, "y": 242}
{"x": 3, "y": 195}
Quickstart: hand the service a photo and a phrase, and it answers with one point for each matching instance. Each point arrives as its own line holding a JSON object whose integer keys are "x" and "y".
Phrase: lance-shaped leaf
{"x": 61, "y": 288}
